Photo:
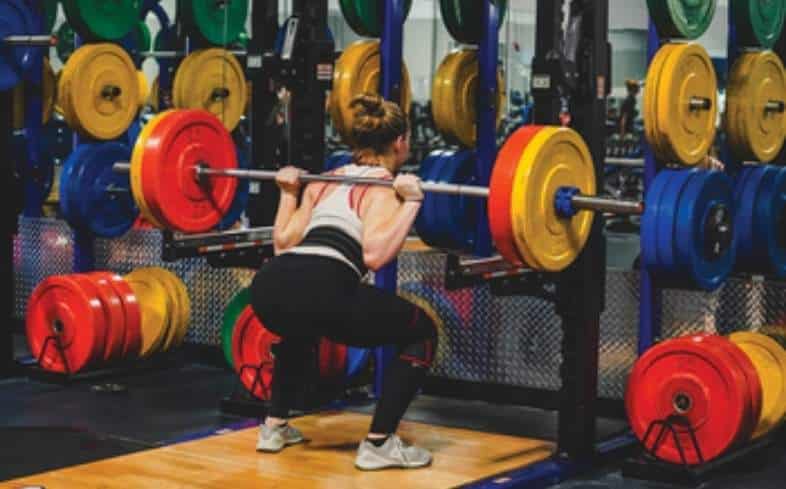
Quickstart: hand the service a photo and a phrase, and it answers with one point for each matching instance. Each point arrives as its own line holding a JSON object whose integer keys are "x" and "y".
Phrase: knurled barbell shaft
{"x": 582, "y": 202}
{"x": 43, "y": 40}
{"x": 178, "y": 54}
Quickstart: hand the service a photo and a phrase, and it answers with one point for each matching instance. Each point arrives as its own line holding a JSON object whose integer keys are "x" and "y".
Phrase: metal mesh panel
{"x": 619, "y": 326}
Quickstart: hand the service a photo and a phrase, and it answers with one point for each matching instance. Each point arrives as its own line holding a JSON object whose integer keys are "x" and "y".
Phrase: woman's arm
{"x": 291, "y": 219}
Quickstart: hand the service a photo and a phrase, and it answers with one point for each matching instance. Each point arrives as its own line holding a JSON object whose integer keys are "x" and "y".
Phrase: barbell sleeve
{"x": 178, "y": 54}
{"x": 601, "y": 204}
{"x": 42, "y": 40}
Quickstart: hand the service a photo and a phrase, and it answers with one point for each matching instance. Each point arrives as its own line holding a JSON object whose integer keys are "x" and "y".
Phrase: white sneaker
{"x": 393, "y": 453}
{"x": 275, "y": 439}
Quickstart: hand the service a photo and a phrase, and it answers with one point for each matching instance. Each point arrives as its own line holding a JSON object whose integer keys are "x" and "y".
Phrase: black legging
{"x": 302, "y": 298}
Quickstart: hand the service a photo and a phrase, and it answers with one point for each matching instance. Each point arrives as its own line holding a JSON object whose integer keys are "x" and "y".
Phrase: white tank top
{"x": 335, "y": 230}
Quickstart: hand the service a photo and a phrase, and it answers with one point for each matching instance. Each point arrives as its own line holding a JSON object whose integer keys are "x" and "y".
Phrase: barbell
{"x": 184, "y": 174}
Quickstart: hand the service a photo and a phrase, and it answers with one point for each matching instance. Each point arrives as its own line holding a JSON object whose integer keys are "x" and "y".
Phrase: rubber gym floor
{"x": 47, "y": 426}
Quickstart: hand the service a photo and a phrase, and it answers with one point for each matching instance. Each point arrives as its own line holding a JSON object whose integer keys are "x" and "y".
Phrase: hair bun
{"x": 368, "y": 105}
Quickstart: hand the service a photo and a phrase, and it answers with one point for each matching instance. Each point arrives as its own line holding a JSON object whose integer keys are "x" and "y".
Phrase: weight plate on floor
{"x": 174, "y": 299}
{"x": 251, "y": 351}
{"x": 501, "y": 192}
{"x": 753, "y": 391}
{"x": 705, "y": 245}
{"x": 156, "y": 313}
{"x": 114, "y": 315}
{"x": 357, "y": 71}
{"x": 458, "y": 110}
{"x": 60, "y": 307}
{"x": 687, "y": 19}
{"x": 102, "y": 90}
{"x": 651, "y": 131}
{"x": 105, "y": 204}
{"x": 220, "y": 23}
{"x": 100, "y": 20}
{"x": 464, "y": 18}
{"x": 438, "y": 309}
{"x": 769, "y": 359}
{"x": 17, "y": 18}
{"x": 242, "y": 196}
{"x": 758, "y": 22}
{"x": 667, "y": 221}
{"x": 556, "y": 157}
{"x": 132, "y": 340}
{"x": 689, "y": 379}
{"x": 756, "y": 103}
{"x": 687, "y": 132}
{"x": 332, "y": 359}
{"x": 651, "y": 218}
{"x": 135, "y": 175}
{"x": 213, "y": 80}
{"x": 357, "y": 360}
{"x": 231, "y": 314}
{"x": 180, "y": 142}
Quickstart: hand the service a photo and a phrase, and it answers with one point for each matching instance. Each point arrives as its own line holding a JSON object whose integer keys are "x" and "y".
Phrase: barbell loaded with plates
{"x": 184, "y": 175}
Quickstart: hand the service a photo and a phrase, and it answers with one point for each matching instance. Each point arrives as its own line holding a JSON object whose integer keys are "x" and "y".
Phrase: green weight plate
{"x": 220, "y": 23}
{"x": 103, "y": 20}
{"x": 231, "y": 313}
{"x": 50, "y": 14}
{"x": 758, "y": 22}
{"x": 143, "y": 38}
{"x": 350, "y": 14}
{"x": 687, "y": 19}
{"x": 463, "y": 18}
{"x": 371, "y": 15}
{"x": 65, "y": 42}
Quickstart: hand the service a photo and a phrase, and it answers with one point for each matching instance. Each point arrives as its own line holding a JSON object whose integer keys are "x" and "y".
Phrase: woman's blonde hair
{"x": 376, "y": 125}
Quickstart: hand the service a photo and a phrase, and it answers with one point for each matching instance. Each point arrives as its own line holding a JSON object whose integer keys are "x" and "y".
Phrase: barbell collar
{"x": 38, "y": 40}
{"x": 775, "y": 106}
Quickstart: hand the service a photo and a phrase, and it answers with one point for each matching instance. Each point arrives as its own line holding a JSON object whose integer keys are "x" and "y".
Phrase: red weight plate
{"x": 103, "y": 331}
{"x": 132, "y": 339}
{"x": 114, "y": 314}
{"x": 61, "y": 306}
{"x": 173, "y": 150}
{"x": 501, "y": 189}
{"x": 751, "y": 380}
{"x": 251, "y": 343}
{"x": 693, "y": 379}
{"x": 332, "y": 359}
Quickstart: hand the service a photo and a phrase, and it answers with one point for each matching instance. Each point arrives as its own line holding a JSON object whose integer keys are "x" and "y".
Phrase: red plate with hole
{"x": 132, "y": 337}
{"x": 61, "y": 307}
{"x": 115, "y": 316}
{"x": 695, "y": 380}
{"x": 179, "y": 143}
{"x": 251, "y": 353}
{"x": 332, "y": 359}
{"x": 501, "y": 189}
{"x": 751, "y": 380}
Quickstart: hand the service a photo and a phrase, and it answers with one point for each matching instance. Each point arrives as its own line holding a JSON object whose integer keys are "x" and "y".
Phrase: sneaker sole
{"x": 289, "y": 443}
{"x": 392, "y": 466}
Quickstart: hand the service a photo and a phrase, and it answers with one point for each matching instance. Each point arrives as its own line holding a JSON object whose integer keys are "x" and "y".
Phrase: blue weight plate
{"x": 67, "y": 174}
{"x": 769, "y": 221}
{"x": 424, "y": 223}
{"x": 242, "y": 194}
{"x": 337, "y": 160}
{"x": 105, "y": 201}
{"x": 17, "y": 17}
{"x": 650, "y": 219}
{"x": 457, "y": 214}
{"x": 357, "y": 359}
{"x": 746, "y": 195}
{"x": 669, "y": 202}
{"x": 439, "y": 229}
{"x": 739, "y": 181}
{"x": 704, "y": 192}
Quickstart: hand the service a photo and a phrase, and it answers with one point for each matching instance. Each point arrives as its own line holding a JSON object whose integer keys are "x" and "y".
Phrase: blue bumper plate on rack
{"x": 771, "y": 222}
{"x": 746, "y": 193}
{"x": 667, "y": 208}
{"x": 649, "y": 220}
{"x": 337, "y": 160}
{"x": 17, "y": 18}
{"x": 705, "y": 242}
{"x": 457, "y": 215}
{"x": 242, "y": 195}
{"x": 67, "y": 205}
{"x": 425, "y": 221}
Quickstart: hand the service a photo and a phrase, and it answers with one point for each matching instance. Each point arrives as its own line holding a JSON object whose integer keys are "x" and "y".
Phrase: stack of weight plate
{"x": 722, "y": 391}
{"x": 248, "y": 345}
{"x": 83, "y": 320}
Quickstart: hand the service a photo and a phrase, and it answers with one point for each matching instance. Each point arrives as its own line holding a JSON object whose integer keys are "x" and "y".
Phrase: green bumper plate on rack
{"x": 366, "y": 17}
{"x": 231, "y": 314}
{"x": 758, "y": 22}
{"x": 144, "y": 39}
{"x": 65, "y": 42}
{"x": 102, "y": 20}
{"x": 463, "y": 18}
{"x": 220, "y": 23}
{"x": 50, "y": 14}
{"x": 686, "y": 19}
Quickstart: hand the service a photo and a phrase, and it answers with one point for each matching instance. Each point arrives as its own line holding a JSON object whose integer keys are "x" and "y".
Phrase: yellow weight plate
{"x": 48, "y": 91}
{"x": 103, "y": 90}
{"x": 687, "y": 133}
{"x": 439, "y": 87}
{"x": 460, "y": 98}
{"x": 154, "y": 302}
{"x": 144, "y": 88}
{"x": 182, "y": 305}
{"x": 64, "y": 87}
{"x": 357, "y": 72}
{"x": 434, "y": 316}
{"x": 213, "y": 80}
{"x": 757, "y": 79}
{"x": 651, "y": 132}
{"x": 136, "y": 169}
{"x": 556, "y": 157}
{"x": 185, "y": 311}
{"x": 168, "y": 280}
{"x": 769, "y": 359}
{"x": 152, "y": 99}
